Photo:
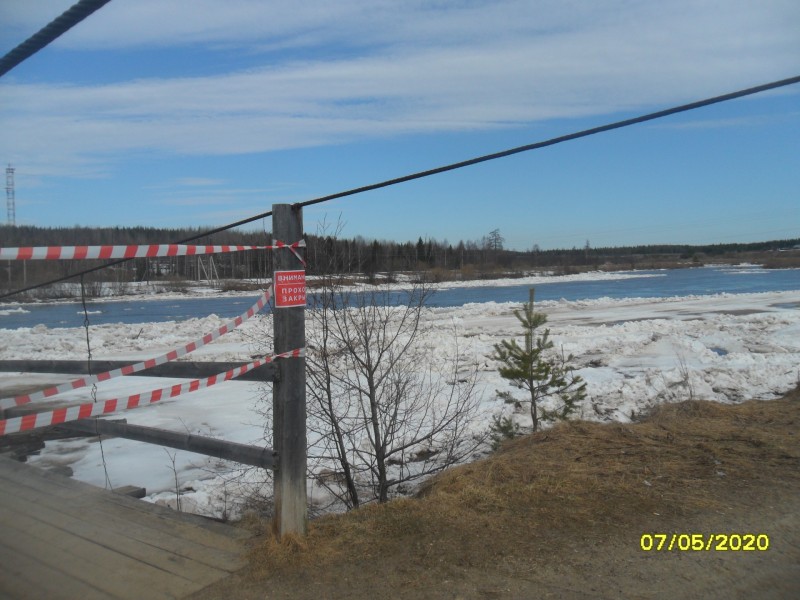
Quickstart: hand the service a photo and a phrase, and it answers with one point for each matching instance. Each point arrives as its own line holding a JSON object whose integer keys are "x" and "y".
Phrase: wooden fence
{"x": 288, "y": 458}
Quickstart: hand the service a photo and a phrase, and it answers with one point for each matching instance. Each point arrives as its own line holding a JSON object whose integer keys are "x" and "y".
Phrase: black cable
{"x": 460, "y": 165}
{"x": 564, "y": 138}
{"x": 71, "y": 17}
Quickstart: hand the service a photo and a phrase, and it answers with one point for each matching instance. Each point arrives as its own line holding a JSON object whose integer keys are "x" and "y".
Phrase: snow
{"x": 634, "y": 353}
{"x": 160, "y": 291}
{"x": 531, "y": 280}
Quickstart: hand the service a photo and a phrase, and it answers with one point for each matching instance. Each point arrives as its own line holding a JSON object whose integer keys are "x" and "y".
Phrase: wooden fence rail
{"x": 241, "y": 453}
{"x": 289, "y": 457}
{"x": 179, "y": 370}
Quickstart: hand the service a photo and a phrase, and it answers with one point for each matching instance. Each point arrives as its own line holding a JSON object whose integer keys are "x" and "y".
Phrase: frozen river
{"x": 639, "y": 339}
{"x": 591, "y": 286}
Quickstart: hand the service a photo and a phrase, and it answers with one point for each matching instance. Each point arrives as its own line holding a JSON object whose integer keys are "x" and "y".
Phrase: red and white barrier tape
{"x": 140, "y": 366}
{"x": 134, "y": 251}
{"x": 292, "y": 247}
{"x": 103, "y": 407}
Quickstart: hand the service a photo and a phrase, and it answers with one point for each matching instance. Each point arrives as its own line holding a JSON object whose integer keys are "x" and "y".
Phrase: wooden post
{"x": 289, "y": 389}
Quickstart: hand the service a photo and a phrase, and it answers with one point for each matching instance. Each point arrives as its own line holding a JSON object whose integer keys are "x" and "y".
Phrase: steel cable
{"x": 460, "y": 165}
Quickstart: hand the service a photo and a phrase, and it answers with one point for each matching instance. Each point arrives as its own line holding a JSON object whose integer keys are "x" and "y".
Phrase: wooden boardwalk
{"x": 60, "y": 538}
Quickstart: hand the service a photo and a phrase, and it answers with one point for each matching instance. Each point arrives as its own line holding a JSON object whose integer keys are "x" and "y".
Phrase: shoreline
{"x": 199, "y": 290}
{"x": 633, "y": 353}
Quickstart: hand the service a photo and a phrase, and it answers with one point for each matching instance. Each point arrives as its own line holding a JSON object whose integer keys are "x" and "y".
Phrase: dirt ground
{"x": 561, "y": 514}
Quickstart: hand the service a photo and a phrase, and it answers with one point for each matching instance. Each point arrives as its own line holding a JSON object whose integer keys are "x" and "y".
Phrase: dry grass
{"x": 546, "y": 494}
{"x": 789, "y": 260}
{"x": 575, "y": 477}
{"x": 238, "y": 285}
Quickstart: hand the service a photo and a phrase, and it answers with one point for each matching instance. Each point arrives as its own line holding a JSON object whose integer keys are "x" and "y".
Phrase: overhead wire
{"x": 558, "y": 140}
{"x": 58, "y": 26}
{"x": 462, "y": 164}
{"x": 47, "y": 34}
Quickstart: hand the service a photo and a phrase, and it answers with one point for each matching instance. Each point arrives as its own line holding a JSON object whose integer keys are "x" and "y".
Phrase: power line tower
{"x": 10, "y": 201}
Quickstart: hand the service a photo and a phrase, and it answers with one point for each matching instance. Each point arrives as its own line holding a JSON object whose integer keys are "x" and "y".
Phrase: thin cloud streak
{"x": 415, "y": 69}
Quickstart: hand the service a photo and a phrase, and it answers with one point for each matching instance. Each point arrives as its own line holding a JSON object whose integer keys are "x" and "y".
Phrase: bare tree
{"x": 382, "y": 414}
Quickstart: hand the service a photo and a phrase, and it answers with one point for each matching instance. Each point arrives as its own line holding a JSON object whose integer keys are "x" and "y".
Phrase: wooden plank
{"x": 103, "y": 564}
{"x": 40, "y": 479}
{"x": 131, "y": 538}
{"x": 142, "y": 521}
{"x": 25, "y": 578}
{"x": 134, "y": 491}
{"x": 193, "y": 527}
{"x": 11, "y": 474}
{"x": 90, "y": 543}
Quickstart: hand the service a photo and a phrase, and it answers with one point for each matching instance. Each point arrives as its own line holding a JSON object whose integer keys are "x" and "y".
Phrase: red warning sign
{"x": 290, "y": 288}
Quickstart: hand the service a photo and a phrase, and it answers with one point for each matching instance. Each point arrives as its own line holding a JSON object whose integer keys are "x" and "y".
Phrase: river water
{"x": 652, "y": 284}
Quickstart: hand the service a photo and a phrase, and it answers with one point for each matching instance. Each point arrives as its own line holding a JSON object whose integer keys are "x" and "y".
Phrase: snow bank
{"x": 633, "y": 353}
{"x": 542, "y": 279}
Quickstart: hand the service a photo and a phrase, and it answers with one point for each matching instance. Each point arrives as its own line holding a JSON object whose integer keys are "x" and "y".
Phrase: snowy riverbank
{"x": 633, "y": 353}
{"x": 109, "y": 292}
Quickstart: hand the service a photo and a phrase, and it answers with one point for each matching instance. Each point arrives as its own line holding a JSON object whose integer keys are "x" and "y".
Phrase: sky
{"x": 174, "y": 113}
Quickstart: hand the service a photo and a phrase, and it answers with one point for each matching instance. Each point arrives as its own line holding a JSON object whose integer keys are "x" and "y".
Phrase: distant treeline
{"x": 486, "y": 257}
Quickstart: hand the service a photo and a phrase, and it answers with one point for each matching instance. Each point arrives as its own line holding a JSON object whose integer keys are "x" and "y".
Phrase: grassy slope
{"x": 560, "y": 514}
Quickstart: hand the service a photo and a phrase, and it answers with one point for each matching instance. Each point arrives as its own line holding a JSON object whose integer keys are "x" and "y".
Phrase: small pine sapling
{"x": 537, "y": 371}
{"x": 501, "y": 429}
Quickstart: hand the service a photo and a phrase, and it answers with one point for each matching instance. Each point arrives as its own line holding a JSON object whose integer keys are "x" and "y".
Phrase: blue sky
{"x": 168, "y": 113}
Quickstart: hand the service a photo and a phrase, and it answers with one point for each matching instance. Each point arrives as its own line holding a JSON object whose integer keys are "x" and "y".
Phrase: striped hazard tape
{"x": 293, "y": 249}
{"x": 141, "y": 366}
{"x": 134, "y": 251}
{"x": 104, "y": 407}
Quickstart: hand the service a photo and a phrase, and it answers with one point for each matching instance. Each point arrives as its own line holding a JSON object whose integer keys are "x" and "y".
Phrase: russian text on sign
{"x": 290, "y": 289}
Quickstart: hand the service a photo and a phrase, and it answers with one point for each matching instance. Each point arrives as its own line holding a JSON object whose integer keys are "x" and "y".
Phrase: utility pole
{"x": 289, "y": 387}
{"x": 12, "y": 211}
{"x": 10, "y": 200}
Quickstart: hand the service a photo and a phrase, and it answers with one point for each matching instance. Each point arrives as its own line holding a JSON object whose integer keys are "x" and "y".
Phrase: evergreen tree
{"x": 494, "y": 241}
{"x": 537, "y": 371}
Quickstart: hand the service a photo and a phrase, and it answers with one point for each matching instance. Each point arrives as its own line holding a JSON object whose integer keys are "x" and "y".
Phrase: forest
{"x": 377, "y": 260}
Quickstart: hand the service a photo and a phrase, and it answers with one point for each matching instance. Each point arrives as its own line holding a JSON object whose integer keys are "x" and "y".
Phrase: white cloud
{"x": 382, "y": 69}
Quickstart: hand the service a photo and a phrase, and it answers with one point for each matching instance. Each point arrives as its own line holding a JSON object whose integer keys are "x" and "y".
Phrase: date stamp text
{"x": 704, "y": 542}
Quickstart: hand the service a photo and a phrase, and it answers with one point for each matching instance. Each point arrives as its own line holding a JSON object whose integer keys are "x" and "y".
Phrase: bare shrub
{"x": 383, "y": 414}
